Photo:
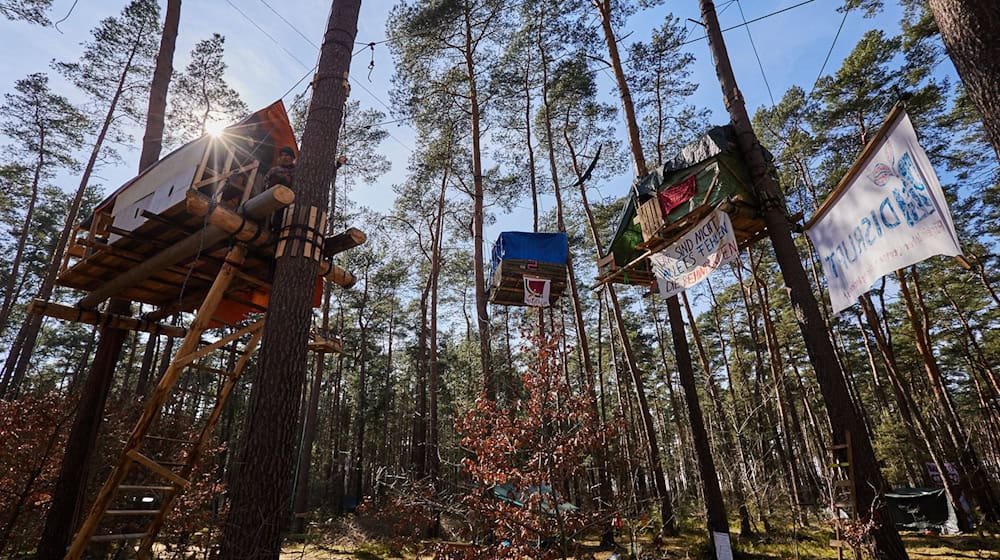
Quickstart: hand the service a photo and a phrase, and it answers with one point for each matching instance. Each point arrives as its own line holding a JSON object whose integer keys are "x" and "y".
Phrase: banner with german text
{"x": 690, "y": 259}
{"x": 887, "y": 213}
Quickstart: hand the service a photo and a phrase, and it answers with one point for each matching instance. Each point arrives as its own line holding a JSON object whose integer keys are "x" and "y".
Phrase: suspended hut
{"x": 662, "y": 206}
{"x": 196, "y": 230}
{"x": 528, "y": 268}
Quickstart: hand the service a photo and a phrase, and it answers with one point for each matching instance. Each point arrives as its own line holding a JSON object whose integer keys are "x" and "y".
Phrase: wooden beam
{"x": 339, "y": 276}
{"x": 257, "y": 207}
{"x": 182, "y": 360}
{"x": 90, "y": 317}
{"x": 234, "y": 223}
{"x": 349, "y": 239}
{"x": 325, "y": 345}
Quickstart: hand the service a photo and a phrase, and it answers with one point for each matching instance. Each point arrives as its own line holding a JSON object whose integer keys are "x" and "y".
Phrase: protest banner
{"x": 690, "y": 259}
{"x": 887, "y": 213}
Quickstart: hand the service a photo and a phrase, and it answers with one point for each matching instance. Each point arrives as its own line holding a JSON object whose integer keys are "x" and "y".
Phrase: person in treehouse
{"x": 284, "y": 172}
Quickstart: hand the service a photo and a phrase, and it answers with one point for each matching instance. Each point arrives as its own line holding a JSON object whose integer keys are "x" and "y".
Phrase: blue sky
{"x": 792, "y": 46}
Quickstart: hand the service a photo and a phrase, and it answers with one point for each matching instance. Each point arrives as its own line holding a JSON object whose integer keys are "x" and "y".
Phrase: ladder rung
{"x": 158, "y": 469}
{"x": 216, "y": 371}
{"x": 131, "y": 512}
{"x": 838, "y": 446}
{"x": 121, "y": 537}
{"x": 845, "y": 464}
{"x": 139, "y": 487}
{"x": 193, "y": 392}
{"x": 175, "y": 440}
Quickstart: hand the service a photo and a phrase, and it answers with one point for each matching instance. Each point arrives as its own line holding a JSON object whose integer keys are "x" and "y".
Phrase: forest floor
{"x": 809, "y": 545}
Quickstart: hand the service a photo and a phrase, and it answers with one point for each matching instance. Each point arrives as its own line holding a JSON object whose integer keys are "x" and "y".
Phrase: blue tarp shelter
{"x": 520, "y": 255}
{"x": 541, "y": 247}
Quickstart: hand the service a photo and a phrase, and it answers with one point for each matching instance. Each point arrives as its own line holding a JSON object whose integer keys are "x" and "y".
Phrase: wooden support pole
{"x": 258, "y": 207}
{"x": 227, "y": 388}
{"x": 349, "y": 239}
{"x": 159, "y": 395}
{"x": 111, "y": 320}
{"x": 339, "y": 276}
{"x": 182, "y": 360}
{"x": 234, "y": 223}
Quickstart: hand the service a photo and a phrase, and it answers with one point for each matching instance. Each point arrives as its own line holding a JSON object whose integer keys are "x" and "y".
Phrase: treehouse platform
{"x": 664, "y": 205}
{"x": 528, "y": 269}
{"x": 198, "y": 230}
{"x": 161, "y": 239}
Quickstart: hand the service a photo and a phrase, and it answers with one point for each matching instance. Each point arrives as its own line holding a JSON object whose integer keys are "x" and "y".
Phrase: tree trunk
{"x": 301, "y": 505}
{"x": 746, "y": 528}
{"x": 259, "y": 496}
{"x": 478, "y": 217}
{"x": 666, "y": 509}
{"x": 969, "y": 29}
{"x": 607, "y": 533}
{"x": 432, "y": 382}
{"x": 22, "y": 238}
{"x": 718, "y": 521}
{"x": 968, "y": 458}
{"x": 869, "y": 482}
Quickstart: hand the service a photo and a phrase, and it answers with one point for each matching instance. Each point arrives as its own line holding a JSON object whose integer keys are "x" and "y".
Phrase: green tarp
{"x": 714, "y": 159}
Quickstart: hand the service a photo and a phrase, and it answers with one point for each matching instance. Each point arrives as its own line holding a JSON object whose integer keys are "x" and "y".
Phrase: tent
{"x": 708, "y": 173}
{"x": 922, "y": 509}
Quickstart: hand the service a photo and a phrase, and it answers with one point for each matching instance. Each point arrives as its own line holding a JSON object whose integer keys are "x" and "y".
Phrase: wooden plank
{"x": 88, "y": 317}
{"x": 259, "y": 206}
{"x": 118, "y": 537}
{"x": 158, "y": 469}
{"x": 182, "y": 360}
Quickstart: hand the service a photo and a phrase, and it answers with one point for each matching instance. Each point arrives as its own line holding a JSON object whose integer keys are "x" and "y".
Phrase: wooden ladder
{"x": 121, "y": 500}
{"x": 844, "y": 493}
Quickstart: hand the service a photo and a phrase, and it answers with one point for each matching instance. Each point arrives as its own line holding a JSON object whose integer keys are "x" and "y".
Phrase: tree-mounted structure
{"x": 664, "y": 205}
{"x": 195, "y": 232}
{"x": 528, "y": 268}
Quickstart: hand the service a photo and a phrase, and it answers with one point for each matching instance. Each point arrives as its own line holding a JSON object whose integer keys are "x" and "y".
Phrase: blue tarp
{"x": 541, "y": 247}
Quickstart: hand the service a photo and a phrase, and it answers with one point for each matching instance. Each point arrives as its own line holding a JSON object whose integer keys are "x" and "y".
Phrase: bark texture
{"x": 969, "y": 29}
{"x": 260, "y": 494}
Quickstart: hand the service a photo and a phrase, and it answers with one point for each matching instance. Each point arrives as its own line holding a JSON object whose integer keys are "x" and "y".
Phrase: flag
{"x": 690, "y": 259}
{"x": 887, "y": 213}
{"x": 536, "y": 291}
{"x": 674, "y": 196}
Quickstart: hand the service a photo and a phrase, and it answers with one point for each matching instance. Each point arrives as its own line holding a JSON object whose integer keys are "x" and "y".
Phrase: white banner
{"x": 690, "y": 259}
{"x": 889, "y": 215}
{"x": 536, "y": 291}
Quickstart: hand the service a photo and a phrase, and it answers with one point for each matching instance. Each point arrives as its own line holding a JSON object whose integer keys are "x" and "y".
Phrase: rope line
{"x": 753, "y": 46}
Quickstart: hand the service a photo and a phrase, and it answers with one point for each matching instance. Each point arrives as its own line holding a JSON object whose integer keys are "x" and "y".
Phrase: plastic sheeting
{"x": 922, "y": 509}
{"x": 716, "y": 164}
{"x": 542, "y": 247}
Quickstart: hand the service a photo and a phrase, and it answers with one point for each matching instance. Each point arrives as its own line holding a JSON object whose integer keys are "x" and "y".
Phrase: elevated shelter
{"x": 194, "y": 232}
{"x": 528, "y": 268}
{"x": 662, "y": 206}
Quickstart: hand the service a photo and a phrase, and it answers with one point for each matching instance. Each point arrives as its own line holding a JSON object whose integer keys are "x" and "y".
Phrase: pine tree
{"x": 201, "y": 98}
{"x": 113, "y": 72}
{"x": 45, "y": 129}
{"x": 33, "y": 11}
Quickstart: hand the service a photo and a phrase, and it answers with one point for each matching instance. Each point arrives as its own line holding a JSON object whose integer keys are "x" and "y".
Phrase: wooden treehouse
{"x": 192, "y": 233}
{"x": 662, "y": 206}
{"x": 528, "y": 269}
